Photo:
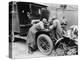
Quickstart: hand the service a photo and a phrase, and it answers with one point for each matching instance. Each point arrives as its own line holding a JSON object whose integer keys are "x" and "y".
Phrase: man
{"x": 55, "y": 28}
{"x": 64, "y": 23}
{"x": 31, "y": 34}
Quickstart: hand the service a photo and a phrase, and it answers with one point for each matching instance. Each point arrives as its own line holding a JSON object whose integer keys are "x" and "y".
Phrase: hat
{"x": 54, "y": 17}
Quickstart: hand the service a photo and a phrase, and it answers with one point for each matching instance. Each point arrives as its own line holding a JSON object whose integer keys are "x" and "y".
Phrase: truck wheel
{"x": 45, "y": 44}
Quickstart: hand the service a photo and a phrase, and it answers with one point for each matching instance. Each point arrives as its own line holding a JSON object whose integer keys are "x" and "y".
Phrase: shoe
{"x": 30, "y": 50}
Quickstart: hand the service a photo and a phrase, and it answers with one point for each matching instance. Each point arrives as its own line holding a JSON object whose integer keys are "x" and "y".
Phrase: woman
{"x": 32, "y": 31}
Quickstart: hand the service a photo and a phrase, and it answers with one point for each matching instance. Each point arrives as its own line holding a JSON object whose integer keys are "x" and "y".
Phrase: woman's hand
{"x": 47, "y": 30}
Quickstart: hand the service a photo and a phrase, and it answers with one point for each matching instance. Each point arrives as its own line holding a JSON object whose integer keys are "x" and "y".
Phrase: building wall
{"x": 71, "y": 15}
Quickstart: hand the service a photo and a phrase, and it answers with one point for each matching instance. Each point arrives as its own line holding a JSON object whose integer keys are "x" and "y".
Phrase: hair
{"x": 43, "y": 18}
{"x": 54, "y": 18}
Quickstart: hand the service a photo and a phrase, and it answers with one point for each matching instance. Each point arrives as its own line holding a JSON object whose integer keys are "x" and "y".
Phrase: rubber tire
{"x": 49, "y": 41}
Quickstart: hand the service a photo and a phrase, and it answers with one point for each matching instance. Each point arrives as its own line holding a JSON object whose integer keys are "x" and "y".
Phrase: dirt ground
{"x": 20, "y": 51}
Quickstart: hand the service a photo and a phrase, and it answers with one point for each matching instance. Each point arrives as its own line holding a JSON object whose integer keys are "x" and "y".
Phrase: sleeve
{"x": 53, "y": 25}
{"x": 34, "y": 21}
{"x": 41, "y": 25}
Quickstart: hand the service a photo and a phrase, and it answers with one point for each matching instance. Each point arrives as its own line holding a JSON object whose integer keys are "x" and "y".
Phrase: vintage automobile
{"x": 19, "y": 24}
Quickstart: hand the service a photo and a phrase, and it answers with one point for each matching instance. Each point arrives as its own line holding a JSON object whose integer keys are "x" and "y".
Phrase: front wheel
{"x": 45, "y": 44}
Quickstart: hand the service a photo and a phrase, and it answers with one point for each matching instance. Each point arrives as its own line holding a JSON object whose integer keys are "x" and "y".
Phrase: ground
{"x": 20, "y": 50}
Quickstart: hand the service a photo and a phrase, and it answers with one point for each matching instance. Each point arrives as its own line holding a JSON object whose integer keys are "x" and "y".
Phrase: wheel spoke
{"x": 44, "y": 44}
